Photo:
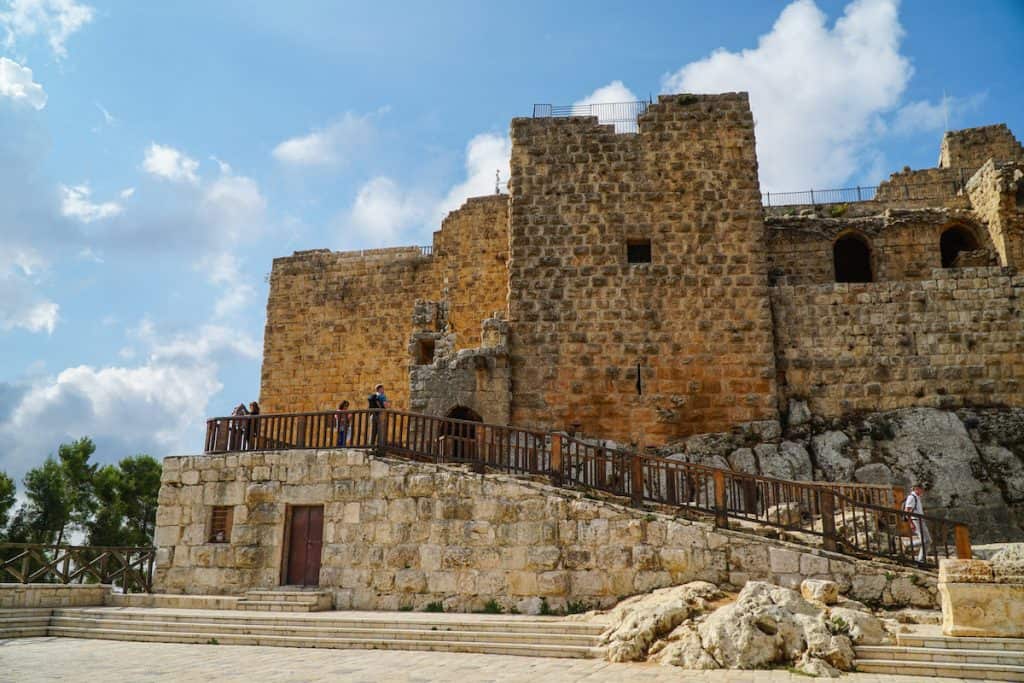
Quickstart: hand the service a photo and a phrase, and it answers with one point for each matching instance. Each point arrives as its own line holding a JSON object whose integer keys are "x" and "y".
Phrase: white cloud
{"x": 16, "y": 82}
{"x": 108, "y": 118}
{"x": 21, "y": 304}
{"x": 926, "y": 117}
{"x": 127, "y": 192}
{"x": 383, "y": 213}
{"x": 224, "y": 270}
{"x": 56, "y": 20}
{"x": 75, "y": 203}
{"x": 233, "y": 206}
{"x": 170, "y": 164}
{"x": 613, "y": 93}
{"x": 485, "y": 154}
{"x": 87, "y": 254}
{"x": 327, "y": 146}
{"x": 816, "y": 92}
{"x": 157, "y": 405}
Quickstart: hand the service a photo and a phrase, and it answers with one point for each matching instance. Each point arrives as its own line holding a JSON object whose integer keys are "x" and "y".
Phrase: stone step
{"x": 934, "y": 654}
{"x": 24, "y": 623}
{"x": 219, "y": 638}
{"x": 350, "y": 619}
{"x": 277, "y": 606}
{"x": 288, "y": 596}
{"x": 937, "y": 640}
{"x": 324, "y": 631}
{"x": 164, "y": 600}
{"x": 39, "y": 631}
{"x": 988, "y": 672}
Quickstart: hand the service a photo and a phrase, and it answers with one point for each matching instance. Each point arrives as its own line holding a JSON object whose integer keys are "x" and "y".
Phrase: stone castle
{"x": 636, "y": 287}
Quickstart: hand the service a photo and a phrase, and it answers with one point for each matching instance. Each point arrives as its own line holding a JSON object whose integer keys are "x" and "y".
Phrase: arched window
{"x": 953, "y": 241}
{"x": 851, "y": 255}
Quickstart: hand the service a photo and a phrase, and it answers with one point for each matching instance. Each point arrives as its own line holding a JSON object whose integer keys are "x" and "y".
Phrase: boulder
{"x": 742, "y": 460}
{"x": 862, "y": 627}
{"x": 785, "y": 513}
{"x": 1006, "y": 469}
{"x": 1013, "y": 552}
{"x": 790, "y": 461}
{"x": 825, "y": 592}
{"x": 799, "y": 413}
{"x": 874, "y": 473}
{"x": 636, "y": 623}
{"x": 830, "y": 455}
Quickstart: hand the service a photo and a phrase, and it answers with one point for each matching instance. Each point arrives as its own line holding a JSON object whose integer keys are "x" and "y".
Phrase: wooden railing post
{"x": 300, "y": 431}
{"x": 556, "y": 459}
{"x": 381, "y": 418}
{"x": 963, "y": 542}
{"x": 828, "y": 519}
{"x": 900, "y": 494}
{"x": 636, "y": 480}
{"x": 721, "y": 513}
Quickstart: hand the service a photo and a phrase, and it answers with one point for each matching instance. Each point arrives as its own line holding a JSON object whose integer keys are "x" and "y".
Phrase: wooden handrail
{"x": 129, "y": 567}
{"x": 852, "y": 518}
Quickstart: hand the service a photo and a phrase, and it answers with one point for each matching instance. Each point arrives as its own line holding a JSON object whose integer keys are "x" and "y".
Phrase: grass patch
{"x": 434, "y": 607}
{"x": 545, "y": 608}
{"x": 491, "y": 607}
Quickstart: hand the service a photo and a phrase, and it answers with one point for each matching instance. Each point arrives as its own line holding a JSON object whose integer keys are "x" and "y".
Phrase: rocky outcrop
{"x": 971, "y": 460}
{"x": 765, "y": 626}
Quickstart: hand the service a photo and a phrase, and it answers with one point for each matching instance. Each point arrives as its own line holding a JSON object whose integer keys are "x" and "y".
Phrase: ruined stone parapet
{"x": 982, "y": 598}
{"x": 997, "y": 195}
{"x": 972, "y": 147}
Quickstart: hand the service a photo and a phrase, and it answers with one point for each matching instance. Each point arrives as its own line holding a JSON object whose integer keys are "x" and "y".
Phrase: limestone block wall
{"x": 932, "y": 185}
{"x": 957, "y": 339}
{"x": 972, "y": 147}
{"x": 997, "y": 194}
{"x": 904, "y": 243}
{"x": 338, "y": 324}
{"x": 403, "y": 534}
{"x": 696, "y": 318}
{"x": 21, "y": 595}
{"x": 472, "y": 250}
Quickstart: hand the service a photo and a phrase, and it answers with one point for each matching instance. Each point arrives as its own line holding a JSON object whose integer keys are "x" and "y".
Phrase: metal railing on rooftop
{"x": 623, "y": 115}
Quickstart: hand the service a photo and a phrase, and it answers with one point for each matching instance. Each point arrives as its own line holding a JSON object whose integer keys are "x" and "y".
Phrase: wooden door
{"x": 306, "y": 535}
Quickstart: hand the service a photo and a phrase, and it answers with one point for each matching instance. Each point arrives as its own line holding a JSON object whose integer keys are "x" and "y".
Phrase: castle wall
{"x": 472, "y": 250}
{"x": 696, "y": 318}
{"x": 997, "y": 193}
{"x": 338, "y": 324}
{"x": 953, "y": 340}
{"x": 404, "y": 534}
{"x": 904, "y": 244}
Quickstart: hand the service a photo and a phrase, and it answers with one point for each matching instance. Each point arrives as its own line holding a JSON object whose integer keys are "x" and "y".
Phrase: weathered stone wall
{"x": 471, "y": 250}
{"x": 338, "y": 324}
{"x": 953, "y": 340}
{"x": 936, "y": 186}
{"x": 997, "y": 194}
{"x": 972, "y": 147}
{"x": 904, "y": 244}
{"x": 20, "y": 595}
{"x": 582, "y": 317}
{"x": 403, "y": 534}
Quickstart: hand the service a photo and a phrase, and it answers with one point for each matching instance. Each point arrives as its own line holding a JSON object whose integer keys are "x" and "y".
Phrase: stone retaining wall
{"x": 21, "y": 595}
{"x": 402, "y": 534}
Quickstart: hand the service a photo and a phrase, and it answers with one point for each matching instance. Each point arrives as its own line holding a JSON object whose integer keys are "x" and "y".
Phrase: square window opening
{"x": 638, "y": 251}
{"x": 220, "y": 524}
{"x": 424, "y": 352}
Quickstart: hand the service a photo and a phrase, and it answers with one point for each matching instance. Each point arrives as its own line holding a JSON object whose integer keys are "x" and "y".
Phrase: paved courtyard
{"x": 70, "y": 659}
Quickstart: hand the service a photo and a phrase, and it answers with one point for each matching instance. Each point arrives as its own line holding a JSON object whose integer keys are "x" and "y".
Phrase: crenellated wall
{"x": 582, "y": 317}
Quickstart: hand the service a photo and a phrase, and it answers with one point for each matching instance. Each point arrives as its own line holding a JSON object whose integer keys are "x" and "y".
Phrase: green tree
{"x": 6, "y": 500}
{"x": 78, "y": 479}
{"x": 48, "y": 511}
{"x": 125, "y": 502}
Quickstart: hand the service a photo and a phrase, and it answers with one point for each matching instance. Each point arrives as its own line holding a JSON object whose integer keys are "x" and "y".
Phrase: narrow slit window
{"x": 220, "y": 524}
{"x": 638, "y": 251}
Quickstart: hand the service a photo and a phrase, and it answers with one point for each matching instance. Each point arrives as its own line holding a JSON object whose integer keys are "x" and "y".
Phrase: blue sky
{"x": 155, "y": 157}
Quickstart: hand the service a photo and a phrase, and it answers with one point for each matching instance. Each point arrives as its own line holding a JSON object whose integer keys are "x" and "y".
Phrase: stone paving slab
{"x": 27, "y": 660}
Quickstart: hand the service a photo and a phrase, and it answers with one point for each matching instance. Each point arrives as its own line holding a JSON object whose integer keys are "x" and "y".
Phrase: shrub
{"x": 434, "y": 607}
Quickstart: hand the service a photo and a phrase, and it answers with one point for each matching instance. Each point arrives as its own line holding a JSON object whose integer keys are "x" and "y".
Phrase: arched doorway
{"x": 851, "y": 255}
{"x": 953, "y": 241}
{"x": 459, "y": 438}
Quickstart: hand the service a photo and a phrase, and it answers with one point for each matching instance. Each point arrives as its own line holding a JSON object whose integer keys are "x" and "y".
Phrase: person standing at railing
{"x": 253, "y": 427}
{"x": 341, "y": 422}
{"x": 378, "y": 400}
{"x": 236, "y": 428}
{"x": 919, "y": 535}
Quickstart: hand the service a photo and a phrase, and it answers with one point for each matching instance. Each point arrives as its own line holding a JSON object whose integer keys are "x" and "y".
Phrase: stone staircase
{"x": 24, "y": 623}
{"x": 475, "y": 633}
{"x": 286, "y": 601}
{"x": 926, "y": 652}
